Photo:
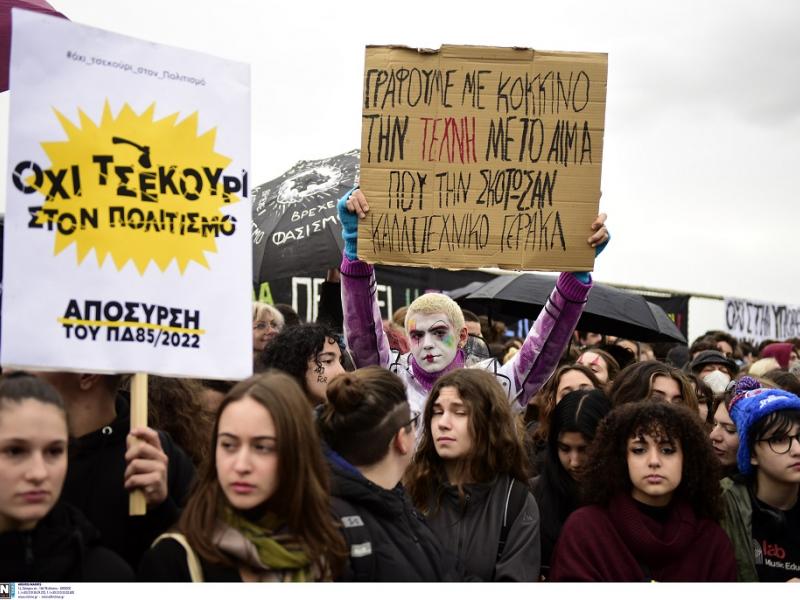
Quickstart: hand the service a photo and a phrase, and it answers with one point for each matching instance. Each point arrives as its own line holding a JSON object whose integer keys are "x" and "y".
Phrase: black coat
{"x": 95, "y": 484}
{"x": 470, "y": 526}
{"x": 403, "y": 546}
{"x": 62, "y": 547}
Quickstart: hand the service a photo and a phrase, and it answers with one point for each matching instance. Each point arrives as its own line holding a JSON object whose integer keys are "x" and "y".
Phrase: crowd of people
{"x": 428, "y": 447}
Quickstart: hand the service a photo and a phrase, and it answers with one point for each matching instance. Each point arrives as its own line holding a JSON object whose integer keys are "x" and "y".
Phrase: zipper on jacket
{"x": 467, "y": 498}
{"x": 28, "y": 550}
{"x": 411, "y": 528}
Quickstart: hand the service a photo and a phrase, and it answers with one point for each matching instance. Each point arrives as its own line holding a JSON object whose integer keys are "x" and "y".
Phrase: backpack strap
{"x": 515, "y": 501}
{"x": 195, "y": 570}
{"x": 357, "y": 536}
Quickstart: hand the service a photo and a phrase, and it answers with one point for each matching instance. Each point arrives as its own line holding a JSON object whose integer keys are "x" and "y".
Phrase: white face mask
{"x": 434, "y": 341}
{"x": 717, "y": 381}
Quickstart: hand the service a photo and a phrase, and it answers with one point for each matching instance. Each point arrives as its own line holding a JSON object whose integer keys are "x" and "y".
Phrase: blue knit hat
{"x": 750, "y": 403}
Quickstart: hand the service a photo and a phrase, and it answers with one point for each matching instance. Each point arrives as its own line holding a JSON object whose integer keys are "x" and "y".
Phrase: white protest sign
{"x": 757, "y": 321}
{"x": 127, "y": 232}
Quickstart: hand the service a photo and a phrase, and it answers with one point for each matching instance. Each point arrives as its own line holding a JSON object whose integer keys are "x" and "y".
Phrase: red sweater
{"x": 617, "y": 543}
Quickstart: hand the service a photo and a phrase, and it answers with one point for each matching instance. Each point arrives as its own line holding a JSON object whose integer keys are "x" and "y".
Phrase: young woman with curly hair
{"x": 653, "y": 495}
{"x": 260, "y": 508}
{"x": 652, "y": 380}
{"x": 311, "y": 353}
{"x": 469, "y": 464}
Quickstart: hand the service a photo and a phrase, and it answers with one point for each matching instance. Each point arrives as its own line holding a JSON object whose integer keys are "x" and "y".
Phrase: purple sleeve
{"x": 363, "y": 326}
{"x": 532, "y": 366}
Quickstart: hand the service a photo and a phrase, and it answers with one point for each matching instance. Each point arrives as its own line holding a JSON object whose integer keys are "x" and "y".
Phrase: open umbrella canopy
{"x": 296, "y": 229}
{"x": 608, "y": 310}
{"x": 5, "y": 30}
{"x": 461, "y": 293}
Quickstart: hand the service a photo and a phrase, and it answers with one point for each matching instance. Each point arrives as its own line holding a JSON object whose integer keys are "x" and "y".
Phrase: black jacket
{"x": 62, "y": 547}
{"x": 470, "y": 529}
{"x": 403, "y": 548}
{"x": 95, "y": 484}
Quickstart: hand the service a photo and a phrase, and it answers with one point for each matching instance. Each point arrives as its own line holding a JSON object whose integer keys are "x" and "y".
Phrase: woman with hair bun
{"x": 370, "y": 432}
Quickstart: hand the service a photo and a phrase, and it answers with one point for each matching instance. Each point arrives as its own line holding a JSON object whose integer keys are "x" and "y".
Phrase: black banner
{"x": 677, "y": 309}
{"x": 397, "y": 287}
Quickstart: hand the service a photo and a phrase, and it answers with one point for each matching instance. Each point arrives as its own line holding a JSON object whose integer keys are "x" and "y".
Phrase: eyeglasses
{"x": 781, "y": 444}
{"x": 414, "y": 422}
{"x": 260, "y": 326}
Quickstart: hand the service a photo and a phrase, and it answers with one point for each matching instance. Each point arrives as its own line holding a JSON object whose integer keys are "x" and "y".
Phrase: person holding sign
{"x": 108, "y": 460}
{"x": 41, "y": 538}
{"x": 435, "y": 324}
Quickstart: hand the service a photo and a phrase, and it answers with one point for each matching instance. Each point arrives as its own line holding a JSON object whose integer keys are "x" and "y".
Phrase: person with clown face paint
{"x": 436, "y": 329}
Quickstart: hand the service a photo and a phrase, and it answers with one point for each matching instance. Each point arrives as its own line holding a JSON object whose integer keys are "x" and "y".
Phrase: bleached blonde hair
{"x": 433, "y": 303}
{"x": 762, "y": 366}
{"x": 263, "y": 312}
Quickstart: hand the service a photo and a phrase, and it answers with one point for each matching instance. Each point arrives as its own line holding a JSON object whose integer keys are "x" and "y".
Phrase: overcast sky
{"x": 700, "y": 176}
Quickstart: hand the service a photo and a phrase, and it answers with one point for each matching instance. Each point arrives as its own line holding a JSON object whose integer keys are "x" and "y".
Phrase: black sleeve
{"x": 166, "y": 561}
{"x": 103, "y": 565}
{"x": 329, "y": 309}
{"x": 141, "y": 531}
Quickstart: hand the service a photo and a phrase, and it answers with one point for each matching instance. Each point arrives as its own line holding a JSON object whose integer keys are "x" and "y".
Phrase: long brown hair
{"x": 302, "y": 497}
{"x": 497, "y": 438}
{"x": 175, "y": 406}
{"x": 635, "y": 383}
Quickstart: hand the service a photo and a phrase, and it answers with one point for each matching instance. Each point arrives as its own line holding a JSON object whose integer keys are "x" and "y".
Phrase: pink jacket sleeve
{"x": 363, "y": 326}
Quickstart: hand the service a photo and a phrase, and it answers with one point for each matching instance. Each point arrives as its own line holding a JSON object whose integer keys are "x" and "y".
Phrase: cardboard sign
{"x": 127, "y": 238}
{"x": 756, "y": 321}
{"x": 481, "y": 157}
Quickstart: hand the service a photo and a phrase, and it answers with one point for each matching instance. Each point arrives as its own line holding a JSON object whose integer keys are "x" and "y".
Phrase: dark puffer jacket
{"x": 63, "y": 546}
{"x": 398, "y": 545}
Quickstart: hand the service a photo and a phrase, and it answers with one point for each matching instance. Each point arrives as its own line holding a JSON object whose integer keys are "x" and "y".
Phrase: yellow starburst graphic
{"x": 136, "y": 189}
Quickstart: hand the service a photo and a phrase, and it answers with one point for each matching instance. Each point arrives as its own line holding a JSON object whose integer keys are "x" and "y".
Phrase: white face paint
{"x": 434, "y": 342}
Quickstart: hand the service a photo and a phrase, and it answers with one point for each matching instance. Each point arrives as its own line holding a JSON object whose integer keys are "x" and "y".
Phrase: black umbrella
{"x": 608, "y": 310}
{"x": 666, "y": 326}
{"x": 461, "y": 293}
{"x": 296, "y": 229}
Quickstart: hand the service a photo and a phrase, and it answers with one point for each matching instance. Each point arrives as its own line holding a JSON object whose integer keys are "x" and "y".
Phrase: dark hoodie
{"x": 62, "y": 547}
{"x": 403, "y": 548}
{"x": 95, "y": 484}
